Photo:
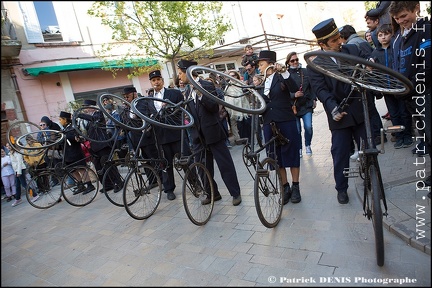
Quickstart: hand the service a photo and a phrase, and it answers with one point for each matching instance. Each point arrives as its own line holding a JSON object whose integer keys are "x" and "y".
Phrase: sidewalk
{"x": 408, "y": 209}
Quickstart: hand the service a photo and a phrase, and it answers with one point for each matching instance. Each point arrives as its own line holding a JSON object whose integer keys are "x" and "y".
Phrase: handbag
{"x": 294, "y": 108}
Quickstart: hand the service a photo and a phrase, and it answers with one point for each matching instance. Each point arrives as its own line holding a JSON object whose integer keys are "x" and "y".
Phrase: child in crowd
{"x": 249, "y": 56}
{"x": 7, "y": 175}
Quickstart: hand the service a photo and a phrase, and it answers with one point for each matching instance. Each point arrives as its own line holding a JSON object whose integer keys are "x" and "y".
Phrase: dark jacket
{"x": 135, "y": 136}
{"x": 279, "y": 106}
{"x": 164, "y": 136}
{"x": 73, "y": 151}
{"x": 331, "y": 92}
{"x": 304, "y": 104}
{"x": 412, "y": 55}
{"x": 207, "y": 125}
{"x": 95, "y": 132}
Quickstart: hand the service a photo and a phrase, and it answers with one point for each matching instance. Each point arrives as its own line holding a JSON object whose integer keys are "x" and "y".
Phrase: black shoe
{"x": 287, "y": 193}
{"x": 89, "y": 189}
{"x": 118, "y": 189}
{"x": 236, "y": 200}
{"x": 78, "y": 190}
{"x": 343, "y": 197}
{"x": 295, "y": 195}
{"x": 171, "y": 196}
{"x": 103, "y": 190}
{"x": 207, "y": 200}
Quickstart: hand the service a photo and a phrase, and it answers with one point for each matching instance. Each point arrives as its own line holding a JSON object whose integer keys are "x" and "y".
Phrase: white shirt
{"x": 159, "y": 95}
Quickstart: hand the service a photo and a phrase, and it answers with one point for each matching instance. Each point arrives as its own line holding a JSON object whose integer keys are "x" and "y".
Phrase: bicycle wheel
{"x": 128, "y": 119}
{"x": 41, "y": 193}
{"x": 170, "y": 115}
{"x": 21, "y": 131}
{"x": 358, "y": 71}
{"x": 375, "y": 193}
{"x": 93, "y": 126}
{"x": 234, "y": 90}
{"x": 80, "y": 185}
{"x": 268, "y": 193}
{"x": 197, "y": 186}
{"x": 142, "y": 192}
{"x": 114, "y": 178}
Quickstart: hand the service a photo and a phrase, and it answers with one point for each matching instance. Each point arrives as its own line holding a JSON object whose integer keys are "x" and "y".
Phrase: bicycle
{"x": 365, "y": 75}
{"x": 45, "y": 179}
{"x": 268, "y": 188}
{"x": 114, "y": 169}
{"x": 142, "y": 189}
{"x": 197, "y": 182}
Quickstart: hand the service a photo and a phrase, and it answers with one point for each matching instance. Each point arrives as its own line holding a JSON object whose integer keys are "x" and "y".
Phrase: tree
{"x": 166, "y": 30}
{"x": 370, "y": 5}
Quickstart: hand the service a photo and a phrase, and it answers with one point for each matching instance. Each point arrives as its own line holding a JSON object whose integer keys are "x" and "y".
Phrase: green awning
{"x": 86, "y": 66}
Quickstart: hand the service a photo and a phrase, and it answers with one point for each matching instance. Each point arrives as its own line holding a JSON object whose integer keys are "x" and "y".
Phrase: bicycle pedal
{"x": 351, "y": 172}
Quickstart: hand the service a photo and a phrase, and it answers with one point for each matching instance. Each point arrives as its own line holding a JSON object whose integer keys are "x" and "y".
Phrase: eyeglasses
{"x": 294, "y": 60}
{"x": 42, "y": 125}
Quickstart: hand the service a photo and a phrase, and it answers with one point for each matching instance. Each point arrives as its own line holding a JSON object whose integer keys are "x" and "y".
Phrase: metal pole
{"x": 265, "y": 35}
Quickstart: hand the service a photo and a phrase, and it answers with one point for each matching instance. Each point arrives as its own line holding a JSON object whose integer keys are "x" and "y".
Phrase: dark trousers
{"x": 20, "y": 181}
{"x": 341, "y": 151}
{"x": 399, "y": 115}
{"x": 151, "y": 152}
{"x": 99, "y": 159}
{"x": 220, "y": 153}
{"x": 169, "y": 150}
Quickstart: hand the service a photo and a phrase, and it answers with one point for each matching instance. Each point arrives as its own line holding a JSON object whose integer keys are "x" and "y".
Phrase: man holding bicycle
{"x": 346, "y": 124}
{"x": 210, "y": 131}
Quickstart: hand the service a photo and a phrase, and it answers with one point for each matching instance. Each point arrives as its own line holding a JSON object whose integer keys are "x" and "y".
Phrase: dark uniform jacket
{"x": 279, "y": 105}
{"x": 206, "y": 116}
{"x": 163, "y": 135}
{"x": 331, "y": 92}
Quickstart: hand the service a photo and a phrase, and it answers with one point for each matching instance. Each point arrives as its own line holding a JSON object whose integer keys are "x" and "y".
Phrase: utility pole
{"x": 265, "y": 35}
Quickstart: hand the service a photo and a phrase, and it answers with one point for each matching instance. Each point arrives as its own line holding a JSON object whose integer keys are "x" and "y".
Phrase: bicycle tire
{"x": 123, "y": 107}
{"x": 268, "y": 194}
{"x": 18, "y": 131}
{"x": 377, "y": 214}
{"x": 194, "y": 192}
{"x": 142, "y": 192}
{"x": 358, "y": 71}
{"x": 76, "y": 193}
{"x": 170, "y": 115}
{"x": 226, "y": 81}
{"x": 115, "y": 195}
{"x": 101, "y": 133}
{"x": 41, "y": 186}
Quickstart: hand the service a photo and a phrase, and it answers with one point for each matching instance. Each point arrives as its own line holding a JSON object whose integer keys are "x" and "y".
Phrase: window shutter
{"x": 31, "y": 23}
{"x": 67, "y": 21}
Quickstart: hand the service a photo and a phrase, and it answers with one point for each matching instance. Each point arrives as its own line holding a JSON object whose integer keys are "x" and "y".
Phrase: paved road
{"x": 317, "y": 243}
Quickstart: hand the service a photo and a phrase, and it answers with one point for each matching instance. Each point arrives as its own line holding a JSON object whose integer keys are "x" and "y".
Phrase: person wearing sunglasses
{"x": 304, "y": 99}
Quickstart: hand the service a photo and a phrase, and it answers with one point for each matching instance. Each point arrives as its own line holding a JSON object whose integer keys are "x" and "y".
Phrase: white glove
{"x": 337, "y": 116}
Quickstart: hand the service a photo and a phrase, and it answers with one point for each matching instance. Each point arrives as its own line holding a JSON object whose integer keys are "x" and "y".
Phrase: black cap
{"x": 66, "y": 115}
{"x": 267, "y": 55}
{"x": 128, "y": 90}
{"x": 89, "y": 102}
{"x": 156, "y": 73}
{"x": 325, "y": 29}
{"x": 184, "y": 64}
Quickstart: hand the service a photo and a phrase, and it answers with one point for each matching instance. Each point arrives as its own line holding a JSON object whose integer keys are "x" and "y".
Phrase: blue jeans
{"x": 307, "y": 126}
{"x": 20, "y": 181}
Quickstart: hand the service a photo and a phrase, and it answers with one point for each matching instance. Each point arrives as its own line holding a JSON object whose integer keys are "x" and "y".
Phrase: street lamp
{"x": 279, "y": 17}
